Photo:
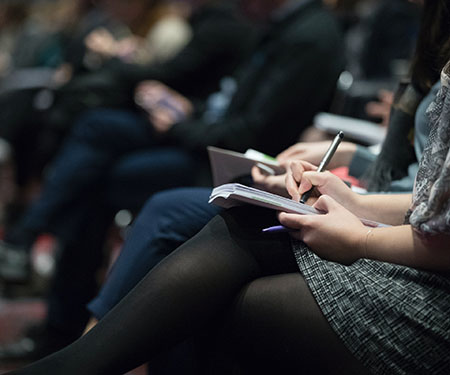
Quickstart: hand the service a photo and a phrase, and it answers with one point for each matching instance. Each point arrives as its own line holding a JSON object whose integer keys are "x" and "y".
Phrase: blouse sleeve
{"x": 430, "y": 210}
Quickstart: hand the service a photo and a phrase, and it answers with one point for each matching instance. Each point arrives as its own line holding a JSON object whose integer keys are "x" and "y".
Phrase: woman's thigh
{"x": 275, "y": 326}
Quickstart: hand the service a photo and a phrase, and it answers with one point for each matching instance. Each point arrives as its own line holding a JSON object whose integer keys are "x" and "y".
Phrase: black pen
{"x": 326, "y": 159}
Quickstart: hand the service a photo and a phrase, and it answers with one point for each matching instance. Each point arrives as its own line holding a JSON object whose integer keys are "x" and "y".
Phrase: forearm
{"x": 385, "y": 208}
{"x": 402, "y": 245}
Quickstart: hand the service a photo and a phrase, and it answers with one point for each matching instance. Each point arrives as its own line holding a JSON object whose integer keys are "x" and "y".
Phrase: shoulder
{"x": 445, "y": 75}
{"x": 314, "y": 24}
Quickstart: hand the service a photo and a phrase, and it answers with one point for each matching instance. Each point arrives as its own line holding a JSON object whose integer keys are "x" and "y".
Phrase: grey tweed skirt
{"x": 394, "y": 319}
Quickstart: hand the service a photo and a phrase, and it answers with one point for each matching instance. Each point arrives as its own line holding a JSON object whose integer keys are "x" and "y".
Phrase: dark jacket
{"x": 289, "y": 78}
{"x": 219, "y": 43}
{"x": 221, "y": 39}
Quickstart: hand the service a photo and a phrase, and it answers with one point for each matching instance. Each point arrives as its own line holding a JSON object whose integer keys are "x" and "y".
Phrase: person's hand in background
{"x": 272, "y": 183}
{"x": 164, "y": 106}
{"x": 102, "y": 42}
{"x": 313, "y": 153}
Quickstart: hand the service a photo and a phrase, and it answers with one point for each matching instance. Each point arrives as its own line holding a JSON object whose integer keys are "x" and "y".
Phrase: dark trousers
{"x": 167, "y": 220}
{"x": 110, "y": 160}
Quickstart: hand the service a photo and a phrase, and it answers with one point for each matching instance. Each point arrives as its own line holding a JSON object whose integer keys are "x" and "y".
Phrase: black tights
{"x": 230, "y": 278}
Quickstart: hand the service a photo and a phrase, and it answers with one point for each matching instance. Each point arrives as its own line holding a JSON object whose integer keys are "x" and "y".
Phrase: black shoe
{"x": 39, "y": 342}
{"x": 15, "y": 263}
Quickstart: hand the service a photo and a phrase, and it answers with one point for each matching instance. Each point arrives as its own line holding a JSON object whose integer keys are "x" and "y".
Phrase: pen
{"x": 326, "y": 159}
{"x": 278, "y": 229}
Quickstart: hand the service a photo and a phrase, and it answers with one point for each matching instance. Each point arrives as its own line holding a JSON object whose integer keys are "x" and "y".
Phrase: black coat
{"x": 221, "y": 39}
{"x": 289, "y": 78}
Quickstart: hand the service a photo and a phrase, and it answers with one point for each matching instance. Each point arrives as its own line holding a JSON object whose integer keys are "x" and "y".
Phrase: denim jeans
{"x": 167, "y": 220}
{"x": 111, "y": 160}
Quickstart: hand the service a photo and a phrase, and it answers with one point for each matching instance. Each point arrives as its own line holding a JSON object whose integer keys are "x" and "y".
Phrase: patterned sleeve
{"x": 430, "y": 210}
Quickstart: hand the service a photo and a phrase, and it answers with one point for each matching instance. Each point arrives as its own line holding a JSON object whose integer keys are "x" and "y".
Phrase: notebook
{"x": 227, "y": 166}
{"x": 230, "y": 195}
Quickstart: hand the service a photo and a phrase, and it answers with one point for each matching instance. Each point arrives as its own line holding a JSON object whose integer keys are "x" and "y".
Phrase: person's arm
{"x": 289, "y": 92}
{"x": 385, "y": 208}
{"x": 404, "y": 245}
{"x": 388, "y": 209}
{"x": 218, "y": 43}
{"x": 338, "y": 235}
{"x": 313, "y": 152}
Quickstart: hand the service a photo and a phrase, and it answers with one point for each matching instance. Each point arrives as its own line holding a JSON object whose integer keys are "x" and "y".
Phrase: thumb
{"x": 326, "y": 204}
{"x": 295, "y": 221}
{"x": 317, "y": 179}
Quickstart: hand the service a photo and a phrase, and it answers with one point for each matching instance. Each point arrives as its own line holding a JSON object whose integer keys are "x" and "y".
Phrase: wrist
{"x": 361, "y": 243}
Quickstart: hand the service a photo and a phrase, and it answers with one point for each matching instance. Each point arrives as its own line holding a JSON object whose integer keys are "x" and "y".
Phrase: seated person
{"x": 171, "y": 218}
{"x": 221, "y": 37}
{"x": 266, "y": 111}
{"x": 333, "y": 296}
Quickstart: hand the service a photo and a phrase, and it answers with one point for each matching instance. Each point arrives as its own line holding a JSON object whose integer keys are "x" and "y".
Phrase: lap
{"x": 139, "y": 174}
{"x": 121, "y": 129}
{"x": 275, "y": 325}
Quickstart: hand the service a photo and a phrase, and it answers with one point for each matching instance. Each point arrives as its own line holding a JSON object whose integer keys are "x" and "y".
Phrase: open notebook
{"x": 230, "y": 195}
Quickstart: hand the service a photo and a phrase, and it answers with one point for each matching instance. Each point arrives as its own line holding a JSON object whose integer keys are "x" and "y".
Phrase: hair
{"x": 433, "y": 44}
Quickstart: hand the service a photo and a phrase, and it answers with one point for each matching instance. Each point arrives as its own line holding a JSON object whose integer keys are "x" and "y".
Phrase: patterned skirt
{"x": 394, "y": 319}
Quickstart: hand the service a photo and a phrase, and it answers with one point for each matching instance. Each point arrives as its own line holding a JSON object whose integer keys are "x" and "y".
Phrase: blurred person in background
{"x": 35, "y": 121}
{"x": 48, "y": 52}
{"x": 288, "y": 77}
{"x": 221, "y": 37}
{"x": 166, "y": 33}
{"x": 379, "y": 44}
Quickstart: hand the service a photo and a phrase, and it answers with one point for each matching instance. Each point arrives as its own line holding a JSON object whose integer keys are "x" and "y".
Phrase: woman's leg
{"x": 276, "y": 326}
{"x": 168, "y": 219}
{"x": 179, "y": 296}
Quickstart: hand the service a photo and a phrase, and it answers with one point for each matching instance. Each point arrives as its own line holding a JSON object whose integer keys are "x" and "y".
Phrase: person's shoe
{"x": 15, "y": 263}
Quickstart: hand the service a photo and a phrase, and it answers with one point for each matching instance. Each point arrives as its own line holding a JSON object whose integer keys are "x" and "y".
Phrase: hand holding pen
{"x": 296, "y": 170}
{"x": 325, "y": 161}
{"x": 300, "y": 186}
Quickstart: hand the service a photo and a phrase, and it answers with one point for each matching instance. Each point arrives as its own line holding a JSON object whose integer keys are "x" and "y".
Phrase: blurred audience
{"x": 34, "y": 120}
{"x": 169, "y": 70}
{"x": 289, "y": 76}
{"x": 220, "y": 39}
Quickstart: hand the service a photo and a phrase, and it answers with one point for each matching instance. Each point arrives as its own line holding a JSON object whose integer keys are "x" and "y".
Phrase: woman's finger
{"x": 326, "y": 204}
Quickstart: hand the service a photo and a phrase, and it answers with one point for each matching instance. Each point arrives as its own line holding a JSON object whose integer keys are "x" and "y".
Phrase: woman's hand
{"x": 270, "y": 183}
{"x": 302, "y": 176}
{"x": 337, "y": 235}
{"x": 313, "y": 152}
